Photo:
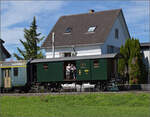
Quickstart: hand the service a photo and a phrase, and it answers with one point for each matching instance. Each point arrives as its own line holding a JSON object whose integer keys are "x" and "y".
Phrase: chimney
{"x": 91, "y": 11}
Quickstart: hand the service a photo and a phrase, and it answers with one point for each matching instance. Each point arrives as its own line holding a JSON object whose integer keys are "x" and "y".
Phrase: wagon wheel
{"x": 104, "y": 86}
{"x": 98, "y": 87}
{"x": 59, "y": 87}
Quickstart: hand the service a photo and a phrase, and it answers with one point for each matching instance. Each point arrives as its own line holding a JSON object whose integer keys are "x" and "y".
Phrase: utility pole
{"x": 53, "y": 44}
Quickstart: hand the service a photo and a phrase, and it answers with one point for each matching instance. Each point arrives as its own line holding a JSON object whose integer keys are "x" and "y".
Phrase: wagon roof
{"x": 114, "y": 55}
{"x": 4, "y": 64}
{"x": 145, "y": 44}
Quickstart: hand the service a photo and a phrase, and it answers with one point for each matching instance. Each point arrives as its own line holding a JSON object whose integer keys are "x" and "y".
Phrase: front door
{"x": 7, "y": 78}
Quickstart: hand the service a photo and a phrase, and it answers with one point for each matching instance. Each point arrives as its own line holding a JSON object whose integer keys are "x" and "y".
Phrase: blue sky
{"x": 17, "y": 15}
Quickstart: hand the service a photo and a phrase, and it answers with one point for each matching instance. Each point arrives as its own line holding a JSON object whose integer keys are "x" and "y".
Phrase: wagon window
{"x": 95, "y": 63}
{"x": 6, "y": 72}
{"x": 45, "y": 66}
{"x": 15, "y": 71}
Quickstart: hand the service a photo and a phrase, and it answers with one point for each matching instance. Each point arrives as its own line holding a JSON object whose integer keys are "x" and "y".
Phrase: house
{"x": 145, "y": 48}
{"x": 92, "y": 33}
{"x": 4, "y": 54}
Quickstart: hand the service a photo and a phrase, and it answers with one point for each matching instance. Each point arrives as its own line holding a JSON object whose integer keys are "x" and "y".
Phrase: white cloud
{"x": 14, "y": 12}
{"x": 20, "y": 11}
{"x": 136, "y": 12}
{"x": 12, "y": 35}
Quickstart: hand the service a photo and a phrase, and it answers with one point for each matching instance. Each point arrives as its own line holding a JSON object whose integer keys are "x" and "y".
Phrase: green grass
{"x": 83, "y": 105}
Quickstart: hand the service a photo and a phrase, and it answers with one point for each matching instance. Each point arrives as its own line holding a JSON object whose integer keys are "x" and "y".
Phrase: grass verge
{"x": 83, "y": 105}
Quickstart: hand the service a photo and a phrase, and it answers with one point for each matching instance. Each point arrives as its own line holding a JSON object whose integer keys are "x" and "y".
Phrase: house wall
{"x": 147, "y": 57}
{"x": 146, "y": 53}
{"x": 80, "y": 51}
{"x": 123, "y": 35}
{"x": 88, "y": 50}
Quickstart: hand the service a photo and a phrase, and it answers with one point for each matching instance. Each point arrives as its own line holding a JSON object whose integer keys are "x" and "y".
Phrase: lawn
{"x": 77, "y": 105}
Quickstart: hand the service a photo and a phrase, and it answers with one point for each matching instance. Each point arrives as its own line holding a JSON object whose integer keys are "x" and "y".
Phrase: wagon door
{"x": 7, "y": 78}
{"x": 83, "y": 70}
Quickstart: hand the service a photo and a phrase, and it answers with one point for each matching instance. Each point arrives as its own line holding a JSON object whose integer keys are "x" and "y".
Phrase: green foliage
{"x": 122, "y": 62}
{"x": 31, "y": 48}
{"x": 131, "y": 65}
{"x": 77, "y": 105}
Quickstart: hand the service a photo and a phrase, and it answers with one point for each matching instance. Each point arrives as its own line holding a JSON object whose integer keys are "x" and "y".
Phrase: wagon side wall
{"x": 99, "y": 69}
{"x": 1, "y": 79}
{"x": 21, "y": 78}
{"x": 50, "y": 71}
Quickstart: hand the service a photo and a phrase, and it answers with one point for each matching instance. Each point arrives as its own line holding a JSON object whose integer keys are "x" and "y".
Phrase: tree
{"x": 123, "y": 64}
{"x": 131, "y": 66}
{"x": 31, "y": 44}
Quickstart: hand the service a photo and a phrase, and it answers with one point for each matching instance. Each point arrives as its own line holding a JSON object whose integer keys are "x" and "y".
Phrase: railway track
{"x": 67, "y": 93}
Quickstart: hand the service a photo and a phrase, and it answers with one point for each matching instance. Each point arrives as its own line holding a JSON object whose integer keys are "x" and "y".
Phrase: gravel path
{"x": 66, "y": 93}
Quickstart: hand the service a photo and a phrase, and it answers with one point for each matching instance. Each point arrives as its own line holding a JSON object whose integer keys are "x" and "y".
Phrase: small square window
{"x": 68, "y": 30}
{"x": 45, "y": 66}
{"x": 15, "y": 71}
{"x": 96, "y": 64}
{"x": 92, "y": 29}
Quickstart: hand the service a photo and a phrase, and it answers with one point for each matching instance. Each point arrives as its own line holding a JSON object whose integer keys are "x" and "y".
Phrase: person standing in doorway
{"x": 68, "y": 68}
{"x": 73, "y": 71}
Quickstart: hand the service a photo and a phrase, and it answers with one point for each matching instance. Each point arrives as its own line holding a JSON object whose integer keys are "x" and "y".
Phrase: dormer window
{"x": 92, "y": 29}
{"x": 116, "y": 33}
{"x": 68, "y": 30}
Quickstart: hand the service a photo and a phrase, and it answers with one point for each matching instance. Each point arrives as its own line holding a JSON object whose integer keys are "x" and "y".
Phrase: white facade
{"x": 147, "y": 57}
{"x": 80, "y": 51}
{"x": 146, "y": 53}
{"x": 96, "y": 49}
{"x": 123, "y": 35}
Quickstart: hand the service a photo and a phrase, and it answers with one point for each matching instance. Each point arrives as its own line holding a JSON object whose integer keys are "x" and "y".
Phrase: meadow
{"x": 77, "y": 105}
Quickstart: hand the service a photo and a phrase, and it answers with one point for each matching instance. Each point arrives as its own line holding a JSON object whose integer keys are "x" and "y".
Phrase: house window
{"x": 45, "y": 66}
{"x": 68, "y": 30}
{"x": 116, "y": 33}
{"x": 15, "y": 71}
{"x": 67, "y": 54}
{"x": 92, "y": 29}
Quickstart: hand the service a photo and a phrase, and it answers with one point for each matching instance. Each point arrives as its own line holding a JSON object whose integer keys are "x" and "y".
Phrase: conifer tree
{"x": 123, "y": 64}
{"x": 31, "y": 44}
{"x": 131, "y": 66}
